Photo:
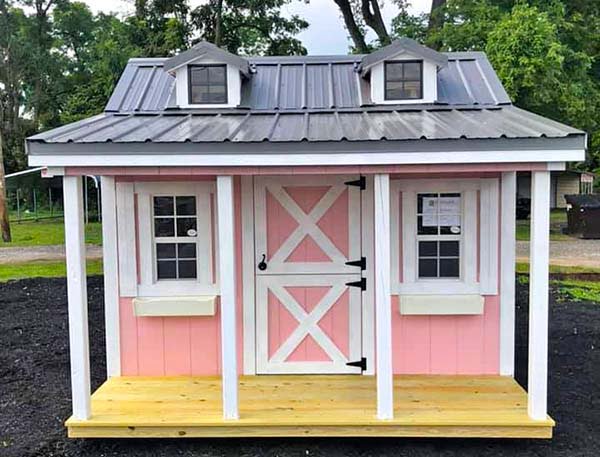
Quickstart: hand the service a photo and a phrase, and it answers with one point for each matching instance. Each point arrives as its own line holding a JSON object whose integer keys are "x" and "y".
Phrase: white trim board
{"x": 248, "y": 278}
{"x": 168, "y": 158}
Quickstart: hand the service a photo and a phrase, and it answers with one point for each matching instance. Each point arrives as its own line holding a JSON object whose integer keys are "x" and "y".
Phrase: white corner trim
{"x": 126, "y": 239}
{"x": 77, "y": 297}
{"x": 226, "y": 229}
{"x": 383, "y": 309}
{"x": 507, "y": 273}
{"x": 537, "y": 385}
{"x": 368, "y": 296}
{"x": 51, "y": 172}
{"x": 448, "y": 305}
{"x": 248, "y": 259}
{"x": 175, "y": 306}
{"x": 557, "y": 166}
{"x": 488, "y": 236}
{"x": 110, "y": 263}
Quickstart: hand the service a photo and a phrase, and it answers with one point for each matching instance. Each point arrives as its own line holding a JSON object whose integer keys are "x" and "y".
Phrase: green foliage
{"x": 253, "y": 27}
{"x": 574, "y": 290}
{"x": 43, "y": 269}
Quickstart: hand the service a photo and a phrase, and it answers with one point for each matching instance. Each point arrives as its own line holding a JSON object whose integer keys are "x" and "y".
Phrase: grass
{"x": 558, "y": 218}
{"x": 523, "y": 268}
{"x": 48, "y": 232}
{"x": 43, "y": 269}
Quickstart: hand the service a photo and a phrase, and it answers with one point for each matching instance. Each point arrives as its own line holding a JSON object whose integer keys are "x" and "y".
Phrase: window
{"x": 403, "y": 80}
{"x": 207, "y": 84}
{"x": 175, "y": 237}
{"x": 438, "y": 235}
{"x": 175, "y": 223}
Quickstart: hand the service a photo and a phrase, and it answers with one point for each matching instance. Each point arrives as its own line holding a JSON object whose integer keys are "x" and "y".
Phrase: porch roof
{"x": 317, "y": 126}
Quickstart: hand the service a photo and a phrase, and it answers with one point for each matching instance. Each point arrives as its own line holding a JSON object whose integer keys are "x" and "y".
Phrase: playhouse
{"x": 309, "y": 246}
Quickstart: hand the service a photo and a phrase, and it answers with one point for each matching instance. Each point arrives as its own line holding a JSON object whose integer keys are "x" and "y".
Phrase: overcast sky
{"x": 325, "y": 35}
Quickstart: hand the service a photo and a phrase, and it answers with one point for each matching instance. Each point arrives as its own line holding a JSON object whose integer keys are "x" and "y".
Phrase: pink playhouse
{"x": 309, "y": 246}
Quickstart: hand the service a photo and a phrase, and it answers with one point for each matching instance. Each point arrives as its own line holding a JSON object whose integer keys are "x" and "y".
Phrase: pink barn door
{"x": 308, "y": 319}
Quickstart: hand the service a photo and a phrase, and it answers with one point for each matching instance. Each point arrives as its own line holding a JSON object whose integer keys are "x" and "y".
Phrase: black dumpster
{"x": 583, "y": 215}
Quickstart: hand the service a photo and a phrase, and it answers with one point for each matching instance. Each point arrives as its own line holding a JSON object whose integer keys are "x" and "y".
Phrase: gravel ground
{"x": 51, "y": 252}
{"x": 575, "y": 253}
{"x": 34, "y": 390}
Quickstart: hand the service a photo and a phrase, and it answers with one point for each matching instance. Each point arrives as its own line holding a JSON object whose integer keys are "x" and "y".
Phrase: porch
{"x": 315, "y": 405}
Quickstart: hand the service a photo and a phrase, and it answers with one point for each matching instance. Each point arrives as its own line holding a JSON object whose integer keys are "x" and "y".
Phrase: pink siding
{"x": 447, "y": 344}
{"x": 156, "y": 346}
{"x": 426, "y": 170}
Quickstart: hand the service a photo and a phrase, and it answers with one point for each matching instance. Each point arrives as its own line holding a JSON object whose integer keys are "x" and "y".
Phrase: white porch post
{"x": 225, "y": 217}
{"x": 538, "y": 294}
{"x": 507, "y": 273}
{"x": 77, "y": 297}
{"x": 383, "y": 311}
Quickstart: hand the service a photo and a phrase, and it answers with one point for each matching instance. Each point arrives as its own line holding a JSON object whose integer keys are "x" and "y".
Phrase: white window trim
{"x": 204, "y": 284}
{"x": 405, "y": 192}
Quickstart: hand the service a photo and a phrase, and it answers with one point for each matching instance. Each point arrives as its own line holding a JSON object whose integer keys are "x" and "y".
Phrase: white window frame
{"x": 204, "y": 284}
{"x": 404, "y": 231}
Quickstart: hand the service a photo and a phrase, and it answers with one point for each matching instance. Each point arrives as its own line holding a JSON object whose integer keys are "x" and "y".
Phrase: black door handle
{"x": 262, "y": 266}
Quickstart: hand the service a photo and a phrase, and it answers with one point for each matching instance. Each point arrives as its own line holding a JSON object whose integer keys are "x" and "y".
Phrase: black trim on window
{"x": 402, "y": 80}
{"x": 208, "y": 84}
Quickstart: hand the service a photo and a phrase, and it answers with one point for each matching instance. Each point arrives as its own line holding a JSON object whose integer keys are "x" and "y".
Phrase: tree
{"x": 251, "y": 27}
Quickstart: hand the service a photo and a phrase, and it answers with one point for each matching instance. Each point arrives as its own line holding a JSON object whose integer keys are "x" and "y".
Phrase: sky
{"x": 325, "y": 35}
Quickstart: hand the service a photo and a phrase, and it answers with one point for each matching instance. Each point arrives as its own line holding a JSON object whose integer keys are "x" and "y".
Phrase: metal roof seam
{"x": 231, "y": 136}
{"x": 171, "y": 127}
{"x": 464, "y": 81}
{"x": 144, "y": 91}
{"x": 272, "y": 129}
{"x": 115, "y": 119}
{"x": 486, "y": 82}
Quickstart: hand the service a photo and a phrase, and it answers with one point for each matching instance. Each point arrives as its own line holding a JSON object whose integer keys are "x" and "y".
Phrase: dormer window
{"x": 207, "y": 84}
{"x": 404, "y": 80}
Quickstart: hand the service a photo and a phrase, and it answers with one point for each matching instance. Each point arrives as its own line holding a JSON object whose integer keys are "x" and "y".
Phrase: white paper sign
{"x": 448, "y": 213}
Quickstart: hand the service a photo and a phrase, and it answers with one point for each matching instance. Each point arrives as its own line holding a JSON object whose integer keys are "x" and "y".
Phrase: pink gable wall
{"x": 163, "y": 346}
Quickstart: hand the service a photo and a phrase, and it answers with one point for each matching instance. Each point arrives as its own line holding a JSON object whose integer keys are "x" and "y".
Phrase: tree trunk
{"x": 4, "y": 224}
{"x": 436, "y": 18}
{"x": 355, "y": 32}
{"x": 372, "y": 15}
{"x": 218, "y": 21}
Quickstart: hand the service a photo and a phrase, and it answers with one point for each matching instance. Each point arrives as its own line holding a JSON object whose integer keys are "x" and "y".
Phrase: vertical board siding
{"x": 169, "y": 346}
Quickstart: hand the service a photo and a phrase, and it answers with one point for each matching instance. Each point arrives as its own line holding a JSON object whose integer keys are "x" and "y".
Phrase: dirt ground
{"x": 34, "y": 389}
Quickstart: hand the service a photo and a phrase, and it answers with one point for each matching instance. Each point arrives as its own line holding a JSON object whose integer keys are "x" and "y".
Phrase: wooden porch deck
{"x": 425, "y": 406}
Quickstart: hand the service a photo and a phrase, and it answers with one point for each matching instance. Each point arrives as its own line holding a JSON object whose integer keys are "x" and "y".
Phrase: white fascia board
{"x": 338, "y": 158}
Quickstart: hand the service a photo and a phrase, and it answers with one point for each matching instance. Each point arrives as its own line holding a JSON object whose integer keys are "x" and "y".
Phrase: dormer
{"x": 207, "y": 76}
{"x": 404, "y": 72}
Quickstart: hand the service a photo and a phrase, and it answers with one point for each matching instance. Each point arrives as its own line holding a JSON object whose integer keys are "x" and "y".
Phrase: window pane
{"x": 449, "y": 248}
{"x": 449, "y": 268}
{"x": 200, "y": 94}
{"x": 393, "y": 90}
{"x": 187, "y": 269}
{"x": 412, "y": 71}
{"x": 427, "y": 268}
{"x": 166, "y": 269}
{"x": 412, "y": 89}
{"x": 393, "y": 71}
{"x": 186, "y": 250}
{"x": 186, "y": 206}
{"x": 163, "y": 206}
{"x": 186, "y": 226}
{"x": 199, "y": 75}
{"x": 216, "y": 75}
{"x": 165, "y": 251}
{"x": 428, "y": 249}
{"x": 420, "y": 199}
{"x": 164, "y": 227}
{"x": 427, "y": 225}
{"x": 217, "y": 94}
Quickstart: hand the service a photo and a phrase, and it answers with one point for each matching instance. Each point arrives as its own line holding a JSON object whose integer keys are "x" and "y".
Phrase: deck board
{"x": 466, "y": 406}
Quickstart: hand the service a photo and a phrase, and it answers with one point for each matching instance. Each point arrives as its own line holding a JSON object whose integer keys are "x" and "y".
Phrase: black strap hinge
{"x": 362, "y": 364}
{"x": 362, "y": 284}
{"x": 362, "y": 263}
{"x": 361, "y": 183}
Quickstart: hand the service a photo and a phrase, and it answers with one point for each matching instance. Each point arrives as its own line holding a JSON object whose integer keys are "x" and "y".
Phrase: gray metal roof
{"x": 323, "y": 100}
{"x": 307, "y": 82}
{"x": 398, "y": 46}
{"x": 315, "y": 126}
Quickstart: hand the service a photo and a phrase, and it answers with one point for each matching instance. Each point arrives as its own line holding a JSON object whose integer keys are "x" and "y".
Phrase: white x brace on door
{"x": 308, "y": 316}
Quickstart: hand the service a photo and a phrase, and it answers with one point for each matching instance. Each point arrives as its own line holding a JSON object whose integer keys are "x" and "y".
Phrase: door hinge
{"x": 362, "y": 364}
{"x": 361, "y": 183}
{"x": 362, "y": 263}
{"x": 362, "y": 284}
